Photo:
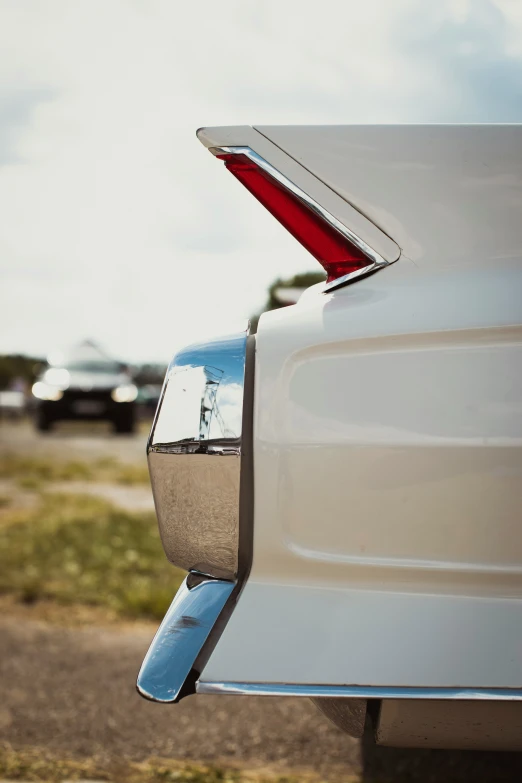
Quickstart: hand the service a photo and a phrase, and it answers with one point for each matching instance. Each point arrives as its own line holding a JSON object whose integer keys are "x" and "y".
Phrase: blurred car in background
{"x": 148, "y": 398}
{"x": 85, "y": 384}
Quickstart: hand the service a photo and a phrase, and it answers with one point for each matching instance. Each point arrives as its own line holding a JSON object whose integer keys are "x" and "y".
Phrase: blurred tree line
{"x": 27, "y": 367}
{"x": 149, "y": 374}
{"x": 302, "y": 280}
{"x": 16, "y": 366}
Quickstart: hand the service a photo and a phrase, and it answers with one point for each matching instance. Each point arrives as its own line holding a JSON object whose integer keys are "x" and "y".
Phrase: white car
{"x": 360, "y": 540}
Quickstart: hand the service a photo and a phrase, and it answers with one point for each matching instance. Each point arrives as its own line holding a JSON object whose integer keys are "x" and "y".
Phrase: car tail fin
{"x": 303, "y": 205}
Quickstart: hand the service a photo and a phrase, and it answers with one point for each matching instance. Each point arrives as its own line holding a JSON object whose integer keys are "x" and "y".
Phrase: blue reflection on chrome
{"x": 180, "y": 637}
{"x": 202, "y": 400}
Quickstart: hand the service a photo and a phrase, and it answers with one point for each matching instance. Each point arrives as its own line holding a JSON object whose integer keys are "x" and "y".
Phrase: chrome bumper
{"x": 199, "y": 454}
{"x": 180, "y": 638}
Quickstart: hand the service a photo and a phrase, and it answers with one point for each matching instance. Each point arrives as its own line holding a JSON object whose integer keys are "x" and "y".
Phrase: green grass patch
{"x": 79, "y": 549}
{"x": 29, "y": 482}
{"x": 35, "y": 764}
{"x": 32, "y": 472}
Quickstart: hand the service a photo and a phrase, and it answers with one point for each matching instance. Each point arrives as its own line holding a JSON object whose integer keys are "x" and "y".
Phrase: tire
{"x": 43, "y": 422}
{"x": 124, "y": 422}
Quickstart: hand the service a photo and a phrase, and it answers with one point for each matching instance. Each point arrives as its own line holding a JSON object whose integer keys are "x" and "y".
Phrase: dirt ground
{"x": 71, "y": 689}
{"x": 73, "y": 440}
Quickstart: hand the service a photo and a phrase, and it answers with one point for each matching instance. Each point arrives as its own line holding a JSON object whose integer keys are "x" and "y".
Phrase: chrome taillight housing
{"x": 194, "y": 455}
{"x": 200, "y": 461}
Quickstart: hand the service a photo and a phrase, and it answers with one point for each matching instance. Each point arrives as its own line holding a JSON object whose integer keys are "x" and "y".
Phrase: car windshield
{"x": 100, "y": 366}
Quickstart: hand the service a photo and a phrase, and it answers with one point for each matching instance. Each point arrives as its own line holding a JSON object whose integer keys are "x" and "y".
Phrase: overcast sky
{"x": 115, "y": 222}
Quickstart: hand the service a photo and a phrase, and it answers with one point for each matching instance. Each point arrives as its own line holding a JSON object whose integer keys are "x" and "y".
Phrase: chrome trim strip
{"x": 377, "y": 261}
{"x": 346, "y": 279}
{"x": 181, "y": 636}
{"x": 357, "y": 691}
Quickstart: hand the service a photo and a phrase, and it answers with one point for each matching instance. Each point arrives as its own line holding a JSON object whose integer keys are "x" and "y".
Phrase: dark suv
{"x": 98, "y": 388}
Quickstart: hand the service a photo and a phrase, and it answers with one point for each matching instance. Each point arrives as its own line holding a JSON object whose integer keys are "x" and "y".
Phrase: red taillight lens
{"x": 334, "y": 252}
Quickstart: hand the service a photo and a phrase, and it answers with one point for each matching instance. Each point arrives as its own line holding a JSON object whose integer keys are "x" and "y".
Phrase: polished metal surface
{"x": 357, "y": 691}
{"x": 194, "y": 455}
{"x": 376, "y": 261}
{"x": 181, "y": 636}
{"x": 339, "y": 282}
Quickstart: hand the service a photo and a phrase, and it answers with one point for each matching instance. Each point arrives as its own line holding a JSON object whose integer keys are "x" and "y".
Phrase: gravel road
{"x": 72, "y": 690}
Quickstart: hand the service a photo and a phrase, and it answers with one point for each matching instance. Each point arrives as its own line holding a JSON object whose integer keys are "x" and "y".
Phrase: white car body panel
{"x": 388, "y": 430}
{"x": 388, "y": 470}
{"x": 446, "y": 194}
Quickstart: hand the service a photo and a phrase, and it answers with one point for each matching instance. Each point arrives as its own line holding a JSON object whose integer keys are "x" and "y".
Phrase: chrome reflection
{"x": 181, "y": 636}
{"x": 199, "y": 418}
{"x": 357, "y": 691}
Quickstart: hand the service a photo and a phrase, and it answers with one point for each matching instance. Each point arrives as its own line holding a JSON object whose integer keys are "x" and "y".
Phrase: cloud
{"x": 117, "y": 224}
{"x": 16, "y": 108}
{"x": 471, "y": 54}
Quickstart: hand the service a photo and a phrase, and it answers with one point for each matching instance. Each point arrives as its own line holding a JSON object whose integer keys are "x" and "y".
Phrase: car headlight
{"x": 43, "y": 391}
{"x": 58, "y": 377}
{"x": 125, "y": 393}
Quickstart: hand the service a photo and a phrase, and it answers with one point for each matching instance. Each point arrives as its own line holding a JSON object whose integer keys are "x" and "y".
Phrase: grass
{"x": 37, "y": 764}
{"x": 30, "y": 482}
{"x": 79, "y": 549}
{"x": 32, "y": 472}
